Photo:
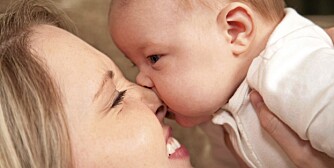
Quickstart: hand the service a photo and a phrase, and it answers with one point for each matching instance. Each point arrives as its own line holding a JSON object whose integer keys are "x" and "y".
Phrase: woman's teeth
{"x": 172, "y": 145}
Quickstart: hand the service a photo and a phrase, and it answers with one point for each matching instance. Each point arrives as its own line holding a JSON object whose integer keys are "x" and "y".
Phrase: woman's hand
{"x": 299, "y": 151}
{"x": 330, "y": 32}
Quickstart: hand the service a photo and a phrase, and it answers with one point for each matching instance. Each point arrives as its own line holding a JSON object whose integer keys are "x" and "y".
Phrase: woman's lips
{"x": 180, "y": 153}
{"x": 174, "y": 149}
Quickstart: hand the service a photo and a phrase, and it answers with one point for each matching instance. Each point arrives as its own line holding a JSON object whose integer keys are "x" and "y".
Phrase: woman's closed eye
{"x": 118, "y": 100}
{"x": 154, "y": 58}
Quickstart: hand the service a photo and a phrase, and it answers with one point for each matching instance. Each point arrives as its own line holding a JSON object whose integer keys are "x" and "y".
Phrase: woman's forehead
{"x": 57, "y": 46}
{"x": 75, "y": 65}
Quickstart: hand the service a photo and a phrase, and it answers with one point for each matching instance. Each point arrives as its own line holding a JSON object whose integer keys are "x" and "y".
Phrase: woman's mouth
{"x": 172, "y": 145}
{"x": 174, "y": 149}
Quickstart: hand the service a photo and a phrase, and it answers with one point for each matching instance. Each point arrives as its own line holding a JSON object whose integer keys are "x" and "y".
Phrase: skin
{"x": 177, "y": 52}
{"x": 131, "y": 134}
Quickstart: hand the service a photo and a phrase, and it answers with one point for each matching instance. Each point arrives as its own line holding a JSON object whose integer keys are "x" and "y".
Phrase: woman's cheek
{"x": 142, "y": 140}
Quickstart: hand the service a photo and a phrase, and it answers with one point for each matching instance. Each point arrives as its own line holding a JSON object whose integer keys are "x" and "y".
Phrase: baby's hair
{"x": 269, "y": 9}
{"x": 272, "y": 10}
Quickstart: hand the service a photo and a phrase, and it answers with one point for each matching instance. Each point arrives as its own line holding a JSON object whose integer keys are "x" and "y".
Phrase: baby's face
{"x": 183, "y": 56}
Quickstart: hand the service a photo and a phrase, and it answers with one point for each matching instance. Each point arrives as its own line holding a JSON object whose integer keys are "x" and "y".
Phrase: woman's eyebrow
{"x": 107, "y": 76}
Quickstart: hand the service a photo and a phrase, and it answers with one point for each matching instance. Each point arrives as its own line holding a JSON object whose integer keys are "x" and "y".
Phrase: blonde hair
{"x": 33, "y": 125}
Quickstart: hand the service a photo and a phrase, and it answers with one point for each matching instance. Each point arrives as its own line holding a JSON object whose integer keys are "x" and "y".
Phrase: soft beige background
{"x": 91, "y": 19}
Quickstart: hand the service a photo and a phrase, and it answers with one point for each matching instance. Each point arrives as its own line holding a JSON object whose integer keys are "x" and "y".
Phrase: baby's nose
{"x": 144, "y": 80}
{"x": 155, "y": 104}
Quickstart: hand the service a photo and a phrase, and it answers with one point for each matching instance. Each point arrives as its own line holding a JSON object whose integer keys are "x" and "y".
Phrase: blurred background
{"x": 90, "y": 18}
{"x": 313, "y": 7}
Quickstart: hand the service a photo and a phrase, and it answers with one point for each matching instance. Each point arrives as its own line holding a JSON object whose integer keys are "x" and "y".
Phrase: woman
{"x": 65, "y": 104}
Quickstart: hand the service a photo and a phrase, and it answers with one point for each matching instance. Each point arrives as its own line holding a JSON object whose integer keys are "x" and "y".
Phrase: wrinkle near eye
{"x": 118, "y": 99}
{"x": 108, "y": 76}
{"x": 109, "y": 102}
{"x": 106, "y": 94}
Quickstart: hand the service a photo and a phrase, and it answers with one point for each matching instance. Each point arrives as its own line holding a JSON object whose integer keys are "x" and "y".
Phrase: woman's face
{"x": 112, "y": 122}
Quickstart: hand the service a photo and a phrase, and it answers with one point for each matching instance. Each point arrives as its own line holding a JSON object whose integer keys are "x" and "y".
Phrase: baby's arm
{"x": 300, "y": 152}
{"x": 297, "y": 84}
{"x": 304, "y": 98}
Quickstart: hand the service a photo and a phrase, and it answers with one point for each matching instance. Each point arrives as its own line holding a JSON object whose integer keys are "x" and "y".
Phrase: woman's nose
{"x": 161, "y": 112}
{"x": 144, "y": 80}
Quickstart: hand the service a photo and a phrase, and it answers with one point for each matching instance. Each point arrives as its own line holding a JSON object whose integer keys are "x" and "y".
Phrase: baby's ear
{"x": 237, "y": 21}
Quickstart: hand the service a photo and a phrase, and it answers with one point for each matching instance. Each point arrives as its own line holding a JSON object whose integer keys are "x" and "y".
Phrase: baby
{"x": 202, "y": 57}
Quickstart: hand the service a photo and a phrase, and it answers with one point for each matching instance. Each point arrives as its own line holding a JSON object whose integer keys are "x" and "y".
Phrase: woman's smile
{"x": 174, "y": 149}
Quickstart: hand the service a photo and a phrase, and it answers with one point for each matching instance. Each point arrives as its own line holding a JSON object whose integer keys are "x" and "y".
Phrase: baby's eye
{"x": 154, "y": 58}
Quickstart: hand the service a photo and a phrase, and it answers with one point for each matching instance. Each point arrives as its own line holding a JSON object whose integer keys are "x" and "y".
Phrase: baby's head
{"x": 193, "y": 54}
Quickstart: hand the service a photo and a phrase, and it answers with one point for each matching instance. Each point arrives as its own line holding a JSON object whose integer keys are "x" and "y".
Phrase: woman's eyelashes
{"x": 118, "y": 99}
{"x": 154, "y": 58}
